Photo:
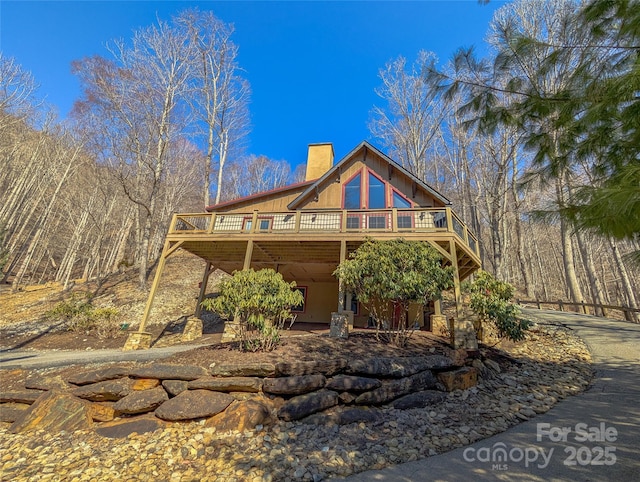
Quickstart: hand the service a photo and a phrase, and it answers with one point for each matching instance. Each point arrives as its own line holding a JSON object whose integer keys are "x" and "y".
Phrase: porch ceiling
{"x": 301, "y": 260}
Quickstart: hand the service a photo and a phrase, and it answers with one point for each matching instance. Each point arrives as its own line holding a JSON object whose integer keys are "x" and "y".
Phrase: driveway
{"x": 48, "y": 359}
{"x": 594, "y": 436}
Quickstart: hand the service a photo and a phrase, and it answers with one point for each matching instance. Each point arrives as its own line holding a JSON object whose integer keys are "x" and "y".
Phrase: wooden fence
{"x": 630, "y": 314}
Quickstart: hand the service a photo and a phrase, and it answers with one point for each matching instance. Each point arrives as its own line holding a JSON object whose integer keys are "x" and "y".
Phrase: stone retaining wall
{"x": 231, "y": 397}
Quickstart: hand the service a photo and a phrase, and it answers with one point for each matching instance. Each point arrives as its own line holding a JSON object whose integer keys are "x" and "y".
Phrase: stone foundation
{"x": 232, "y": 331}
{"x": 192, "y": 330}
{"x": 339, "y": 325}
{"x": 138, "y": 341}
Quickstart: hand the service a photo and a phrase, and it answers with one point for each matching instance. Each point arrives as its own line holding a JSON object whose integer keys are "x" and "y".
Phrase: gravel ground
{"x": 550, "y": 365}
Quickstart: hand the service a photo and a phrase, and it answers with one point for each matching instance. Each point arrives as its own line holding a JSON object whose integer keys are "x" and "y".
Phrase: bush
{"x": 79, "y": 315}
{"x": 384, "y": 273}
{"x": 260, "y": 301}
{"x": 491, "y": 301}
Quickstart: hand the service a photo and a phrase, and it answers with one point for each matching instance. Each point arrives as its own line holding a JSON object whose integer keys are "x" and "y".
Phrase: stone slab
{"x": 227, "y": 384}
{"x": 54, "y": 411}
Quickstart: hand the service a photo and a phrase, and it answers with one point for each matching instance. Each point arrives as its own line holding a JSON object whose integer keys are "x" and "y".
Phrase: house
{"x": 305, "y": 230}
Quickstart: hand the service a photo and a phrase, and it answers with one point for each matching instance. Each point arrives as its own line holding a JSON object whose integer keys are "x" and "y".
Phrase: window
{"x": 352, "y": 193}
{"x": 399, "y": 201}
{"x": 264, "y": 224}
{"x": 377, "y": 221}
{"x": 302, "y": 307}
{"x": 353, "y": 221}
{"x": 376, "y": 193}
{"x": 355, "y": 305}
{"x": 405, "y": 220}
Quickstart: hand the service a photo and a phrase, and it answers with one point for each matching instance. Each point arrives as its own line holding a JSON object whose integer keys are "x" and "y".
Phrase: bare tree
{"x": 409, "y": 123}
{"x": 255, "y": 174}
{"x": 133, "y": 103}
{"x": 218, "y": 95}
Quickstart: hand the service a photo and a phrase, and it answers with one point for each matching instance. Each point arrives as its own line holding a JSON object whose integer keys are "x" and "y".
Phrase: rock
{"x": 492, "y": 365}
{"x": 483, "y": 371}
{"x": 100, "y": 375}
{"x": 175, "y": 387}
{"x": 227, "y": 384}
{"x": 169, "y": 372}
{"x": 122, "y": 428}
{"x": 396, "y": 388}
{"x": 326, "y": 367}
{"x": 46, "y": 383}
{"x": 141, "y": 401}
{"x": 145, "y": 384}
{"x": 460, "y": 379}
{"x": 109, "y": 390}
{"x": 347, "y": 398}
{"x": 304, "y": 405}
{"x": 528, "y": 412}
{"x": 192, "y": 404}
{"x": 192, "y": 330}
{"x": 53, "y": 412}
{"x": 20, "y": 396}
{"x": 459, "y": 357}
{"x": 344, "y": 417}
{"x": 9, "y": 412}
{"x": 356, "y": 415}
{"x": 240, "y": 416}
{"x": 397, "y": 367}
{"x": 422, "y": 399}
{"x": 102, "y": 411}
{"x": 350, "y": 383}
{"x": 295, "y": 385}
{"x": 242, "y": 395}
{"x": 243, "y": 370}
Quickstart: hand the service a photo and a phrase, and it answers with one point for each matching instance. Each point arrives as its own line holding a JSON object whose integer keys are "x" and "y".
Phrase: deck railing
{"x": 421, "y": 220}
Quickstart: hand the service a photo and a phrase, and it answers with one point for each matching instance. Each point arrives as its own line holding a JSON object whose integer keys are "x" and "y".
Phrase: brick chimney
{"x": 319, "y": 160}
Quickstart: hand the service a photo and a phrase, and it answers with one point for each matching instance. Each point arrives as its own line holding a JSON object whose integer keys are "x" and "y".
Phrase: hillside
{"x": 22, "y": 314}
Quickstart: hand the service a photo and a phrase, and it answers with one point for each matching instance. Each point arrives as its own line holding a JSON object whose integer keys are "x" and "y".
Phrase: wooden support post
{"x": 140, "y": 339}
{"x": 212, "y": 223}
{"x": 449, "y": 220}
{"x": 437, "y": 307}
{"x": 343, "y": 256}
{"x": 394, "y": 220}
{"x": 167, "y": 251}
{"x": 456, "y": 277}
{"x": 297, "y": 221}
{"x": 248, "y": 254}
{"x": 203, "y": 289}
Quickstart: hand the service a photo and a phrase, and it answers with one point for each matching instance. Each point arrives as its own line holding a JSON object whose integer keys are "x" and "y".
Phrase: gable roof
{"x": 251, "y": 197}
{"x": 366, "y": 146}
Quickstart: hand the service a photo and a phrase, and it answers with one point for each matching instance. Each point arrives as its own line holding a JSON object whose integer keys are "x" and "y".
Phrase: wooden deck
{"x": 222, "y": 237}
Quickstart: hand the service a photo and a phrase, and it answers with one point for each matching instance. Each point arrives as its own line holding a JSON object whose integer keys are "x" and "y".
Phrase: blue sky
{"x": 313, "y": 66}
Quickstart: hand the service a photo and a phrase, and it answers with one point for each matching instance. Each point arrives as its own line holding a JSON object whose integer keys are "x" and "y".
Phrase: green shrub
{"x": 79, "y": 315}
{"x": 491, "y": 301}
{"x": 384, "y": 273}
{"x": 260, "y": 301}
